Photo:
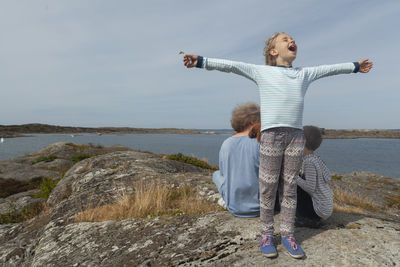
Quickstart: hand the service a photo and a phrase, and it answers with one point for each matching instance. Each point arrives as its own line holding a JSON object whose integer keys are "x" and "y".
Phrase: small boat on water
{"x": 2, "y": 140}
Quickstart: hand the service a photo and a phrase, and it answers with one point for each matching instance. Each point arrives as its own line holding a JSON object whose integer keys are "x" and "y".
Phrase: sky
{"x": 116, "y": 63}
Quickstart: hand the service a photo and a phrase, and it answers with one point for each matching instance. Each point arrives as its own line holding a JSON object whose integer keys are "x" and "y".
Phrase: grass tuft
{"x": 354, "y": 199}
{"x": 81, "y": 147}
{"x": 347, "y": 209}
{"x": 150, "y": 200}
{"x": 385, "y": 180}
{"x": 393, "y": 200}
{"x": 44, "y": 158}
{"x": 337, "y": 177}
{"x": 27, "y": 213}
{"x": 192, "y": 160}
{"x": 79, "y": 157}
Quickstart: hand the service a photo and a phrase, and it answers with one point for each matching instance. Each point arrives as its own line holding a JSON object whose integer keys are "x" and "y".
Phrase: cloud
{"x": 117, "y": 63}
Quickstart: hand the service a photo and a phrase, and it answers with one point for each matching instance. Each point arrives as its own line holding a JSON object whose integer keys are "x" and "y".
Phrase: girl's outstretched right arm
{"x": 190, "y": 61}
{"x": 244, "y": 69}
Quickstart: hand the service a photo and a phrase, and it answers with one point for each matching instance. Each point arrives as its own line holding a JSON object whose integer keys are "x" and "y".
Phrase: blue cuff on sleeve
{"x": 199, "y": 62}
{"x": 356, "y": 67}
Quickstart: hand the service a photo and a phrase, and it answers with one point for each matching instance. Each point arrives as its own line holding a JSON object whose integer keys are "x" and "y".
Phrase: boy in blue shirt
{"x": 239, "y": 160}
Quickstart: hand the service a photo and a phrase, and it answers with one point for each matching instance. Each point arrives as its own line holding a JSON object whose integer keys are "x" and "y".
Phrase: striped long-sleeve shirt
{"x": 282, "y": 89}
{"x": 316, "y": 176}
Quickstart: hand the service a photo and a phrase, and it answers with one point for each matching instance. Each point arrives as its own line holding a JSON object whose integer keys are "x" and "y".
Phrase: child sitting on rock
{"x": 239, "y": 160}
{"x": 314, "y": 196}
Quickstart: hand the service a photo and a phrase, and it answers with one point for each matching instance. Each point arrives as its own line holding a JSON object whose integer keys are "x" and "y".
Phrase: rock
{"x": 18, "y": 203}
{"x": 105, "y": 179}
{"x": 216, "y": 239}
{"x": 25, "y": 169}
{"x": 26, "y": 173}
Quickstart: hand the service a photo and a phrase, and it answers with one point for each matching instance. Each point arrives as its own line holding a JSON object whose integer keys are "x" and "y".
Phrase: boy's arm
{"x": 314, "y": 73}
{"x": 310, "y": 173}
{"x": 247, "y": 70}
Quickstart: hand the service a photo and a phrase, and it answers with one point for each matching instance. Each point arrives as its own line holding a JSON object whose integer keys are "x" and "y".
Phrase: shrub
{"x": 47, "y": 185}
{"x": 78, "y": 157}
{"x": 44, "y": 158}
{"x": 192, "y": 160}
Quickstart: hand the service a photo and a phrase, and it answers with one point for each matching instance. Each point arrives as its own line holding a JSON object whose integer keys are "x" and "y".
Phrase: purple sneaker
{"x": 293, "y": 248}
{"x": 267, "y": 246}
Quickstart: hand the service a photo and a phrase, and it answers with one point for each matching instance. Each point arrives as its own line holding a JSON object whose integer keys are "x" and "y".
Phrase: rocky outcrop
{"x": 51, "y": 161}
{"x": 18, "y": 202}
{"x": 25, "y": 173}
{"x": 54, "y": 238}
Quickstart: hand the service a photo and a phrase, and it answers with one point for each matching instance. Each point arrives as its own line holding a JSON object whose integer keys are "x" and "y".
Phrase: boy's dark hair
{"x": 243, "y": 116}
{"x": 313, "y": 137}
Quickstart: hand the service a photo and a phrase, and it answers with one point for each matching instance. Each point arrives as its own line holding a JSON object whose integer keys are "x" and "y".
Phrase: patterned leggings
{"x": 281, "y": 158}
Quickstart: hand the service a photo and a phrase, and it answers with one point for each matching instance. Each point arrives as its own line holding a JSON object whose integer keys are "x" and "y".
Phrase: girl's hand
{"x": 365, "y": 65}
{"x": 190, "y": 61}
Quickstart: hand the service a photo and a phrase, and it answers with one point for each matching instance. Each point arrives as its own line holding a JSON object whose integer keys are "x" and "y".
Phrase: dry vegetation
{"x": 348, "y": 209}
{"x": 393, "y": 200}
{"x": 357, "y": 201}
{"x": 386, "y": 180}
{"x": 151, "y": 199}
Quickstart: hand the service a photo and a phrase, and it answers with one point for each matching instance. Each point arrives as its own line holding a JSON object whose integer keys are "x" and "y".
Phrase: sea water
{"x": 341, "y": 155}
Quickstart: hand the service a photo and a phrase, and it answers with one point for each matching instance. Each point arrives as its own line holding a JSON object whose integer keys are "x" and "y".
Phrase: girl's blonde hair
{"x": 270, "y": 44}
{"x": 244, "y": 116}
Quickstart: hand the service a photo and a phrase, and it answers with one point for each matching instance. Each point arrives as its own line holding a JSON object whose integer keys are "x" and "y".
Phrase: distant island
{"x": 360, "y": 133}
{"x": 8, "y": 131}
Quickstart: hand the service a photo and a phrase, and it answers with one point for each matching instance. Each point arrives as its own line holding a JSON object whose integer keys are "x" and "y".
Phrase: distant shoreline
{"x": 10, "y": 131}
{"x": 360, "y": 133}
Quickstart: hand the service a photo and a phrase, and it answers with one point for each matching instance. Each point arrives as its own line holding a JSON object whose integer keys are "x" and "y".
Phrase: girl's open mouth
{"x": 292, "y": 48}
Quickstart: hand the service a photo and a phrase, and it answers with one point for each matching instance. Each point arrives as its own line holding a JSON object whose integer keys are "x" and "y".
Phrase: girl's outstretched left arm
{"x": 314, "y": 73}
{"x": 365, "y": 65}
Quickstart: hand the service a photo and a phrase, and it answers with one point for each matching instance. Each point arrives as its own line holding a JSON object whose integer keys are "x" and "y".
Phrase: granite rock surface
{"x": 54, "y": 238}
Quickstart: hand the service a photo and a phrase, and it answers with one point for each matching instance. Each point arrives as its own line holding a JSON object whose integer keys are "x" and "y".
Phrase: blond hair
{"x": 270, "y": 44}
{"x": 244, "y": 116}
